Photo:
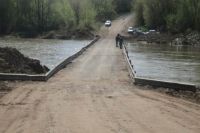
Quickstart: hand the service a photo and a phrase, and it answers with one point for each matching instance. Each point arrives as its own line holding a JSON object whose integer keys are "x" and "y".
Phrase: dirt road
{"x": 94, "y": 94}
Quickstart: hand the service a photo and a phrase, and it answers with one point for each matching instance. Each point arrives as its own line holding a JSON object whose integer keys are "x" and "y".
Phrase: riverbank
{"x": 59, "y": 34}
{"x": 189, "y": 38}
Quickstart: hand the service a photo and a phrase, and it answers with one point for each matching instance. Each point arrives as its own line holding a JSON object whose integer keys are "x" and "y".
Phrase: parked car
{"x": 108, "y": 23}
{"x": 152, "y": 31}
{"x": 146, "y": 33}
{"x": 130, "y": 30}
{"x": 137, "y": 31}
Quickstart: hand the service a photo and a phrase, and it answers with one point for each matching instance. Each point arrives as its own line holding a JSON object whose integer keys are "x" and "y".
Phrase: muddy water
{"x": 166, "y": 62}
{"x": 49, "y": 52}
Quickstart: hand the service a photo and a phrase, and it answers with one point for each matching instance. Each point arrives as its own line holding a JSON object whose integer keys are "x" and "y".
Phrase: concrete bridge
{"x": 95, "y": 94}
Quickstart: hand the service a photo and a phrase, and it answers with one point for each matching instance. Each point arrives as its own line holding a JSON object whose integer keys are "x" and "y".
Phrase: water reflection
{"x": 166, "y": 62}
{"x": 49, "y": 52}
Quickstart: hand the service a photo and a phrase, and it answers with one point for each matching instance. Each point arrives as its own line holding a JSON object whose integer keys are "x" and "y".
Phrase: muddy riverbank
{"x": 188, "y": 38}
{"x": 77, "y": 34}
{"x": 55, "y": 34}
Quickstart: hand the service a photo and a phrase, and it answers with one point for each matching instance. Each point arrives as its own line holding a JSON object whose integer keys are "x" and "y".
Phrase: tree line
{"x": 38, "y": 16}
{"x": 168, "y": 15}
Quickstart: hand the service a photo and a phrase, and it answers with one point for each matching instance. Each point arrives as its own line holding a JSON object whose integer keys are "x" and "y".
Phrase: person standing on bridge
{"x": 117, "y": 38}
{"x": 121, "y": 41}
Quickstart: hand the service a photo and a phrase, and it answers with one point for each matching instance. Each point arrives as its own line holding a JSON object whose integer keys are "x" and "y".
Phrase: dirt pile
{"x": 12, "y": 61}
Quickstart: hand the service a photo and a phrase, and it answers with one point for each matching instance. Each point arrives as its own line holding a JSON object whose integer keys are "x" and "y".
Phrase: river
{"x": 166, "y": 62}
{"x": 49, "y": 52}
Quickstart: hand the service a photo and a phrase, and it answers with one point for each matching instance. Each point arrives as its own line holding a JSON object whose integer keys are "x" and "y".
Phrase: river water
{"x": 166, "y": 62}
{"x": 49, "y": 52}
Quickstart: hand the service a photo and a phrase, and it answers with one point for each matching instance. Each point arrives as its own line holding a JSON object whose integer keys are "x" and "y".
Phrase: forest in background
{"x": 174, "y": 16}
{"x": 38, "y": 16}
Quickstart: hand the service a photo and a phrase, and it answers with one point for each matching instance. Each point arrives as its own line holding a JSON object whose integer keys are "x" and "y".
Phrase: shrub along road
{"x": 94, "y": 94}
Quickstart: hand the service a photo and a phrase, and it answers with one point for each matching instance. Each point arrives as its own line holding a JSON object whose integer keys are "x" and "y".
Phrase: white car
{"x": 130, "y": 30}
{"x": 152, "y": 31}
{"x": 108, "y": 23}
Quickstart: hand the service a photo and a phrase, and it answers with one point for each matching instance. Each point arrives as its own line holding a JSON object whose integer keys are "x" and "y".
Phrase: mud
{"x": 12, "y": 61}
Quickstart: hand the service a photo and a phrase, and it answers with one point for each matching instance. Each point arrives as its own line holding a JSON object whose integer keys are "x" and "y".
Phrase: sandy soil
{"x": 94, "y": 94}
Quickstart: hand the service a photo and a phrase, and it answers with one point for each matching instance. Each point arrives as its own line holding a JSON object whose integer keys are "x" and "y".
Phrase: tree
{"x": 123, "y": 6}
{"x": 139, "y": 12}
{"x": 37, "y": 16}
{"x": 172, "y": 15}
{"x": 7, "y": 16}
{"x": 62, "y": 15}
{"x": 105, "y": 9}
{"x": 87, "y": 16}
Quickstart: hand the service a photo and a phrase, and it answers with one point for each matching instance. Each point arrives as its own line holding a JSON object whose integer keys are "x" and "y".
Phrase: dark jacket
{"x": 117, "y": 38}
